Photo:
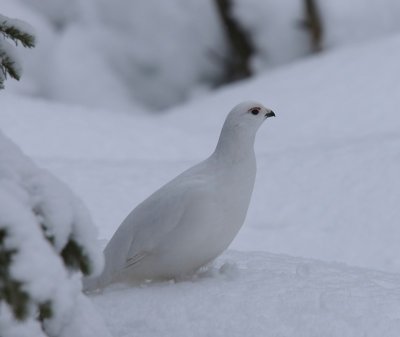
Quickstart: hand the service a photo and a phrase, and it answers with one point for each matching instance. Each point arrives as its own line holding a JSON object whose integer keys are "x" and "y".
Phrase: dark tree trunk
{"x": 241, "y": 46}
{"x": 313, "y": 23}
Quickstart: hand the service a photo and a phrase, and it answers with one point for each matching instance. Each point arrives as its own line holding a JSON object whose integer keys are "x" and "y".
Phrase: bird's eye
{"x": 255, "y": 111}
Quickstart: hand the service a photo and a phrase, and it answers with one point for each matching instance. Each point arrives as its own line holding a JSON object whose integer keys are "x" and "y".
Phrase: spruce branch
{"x": 18, "y": 32}
{"x": 13, "y": 31}
{"x": 11, "y": 290}
{"x": 9, "y": 66}
{"x": 75, "y": 258}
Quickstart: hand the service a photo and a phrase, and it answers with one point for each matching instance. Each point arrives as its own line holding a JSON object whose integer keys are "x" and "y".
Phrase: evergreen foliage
{"x": 17, "y": 32}
{"x": 74, "y": 257}
{"x": 10, "y": 31}
{"x": 11, "y": 289}
{"x": 63, "y": 238}
{"x": 73, "y": 254}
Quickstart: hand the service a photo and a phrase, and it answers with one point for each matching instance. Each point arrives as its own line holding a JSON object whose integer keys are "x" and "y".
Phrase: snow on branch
{"x": 19, "y": 32}
{"x": 47, "y": 240}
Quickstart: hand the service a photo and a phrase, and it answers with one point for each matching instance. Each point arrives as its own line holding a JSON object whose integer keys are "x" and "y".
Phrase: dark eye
{"x": 254, "y": 111}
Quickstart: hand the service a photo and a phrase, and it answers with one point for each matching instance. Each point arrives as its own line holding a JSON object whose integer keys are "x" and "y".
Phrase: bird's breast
{"x": 236, "y": 185}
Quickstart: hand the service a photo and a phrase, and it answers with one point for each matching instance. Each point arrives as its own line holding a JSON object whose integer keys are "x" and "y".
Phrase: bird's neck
{"x": 235, "y": 145}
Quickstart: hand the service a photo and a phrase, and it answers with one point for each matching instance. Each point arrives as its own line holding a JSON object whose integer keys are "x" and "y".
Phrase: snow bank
{"x": 358, "y": 21}
{"x": 328, "y": 165}
{"x": 275, "y": 29}
{"x": 259, "y": 295}
{"x": 164, "y": 51}
{"x": 32, "y": 199}
{"x": 11, "y": 328}
{"x": 121, "y": 54}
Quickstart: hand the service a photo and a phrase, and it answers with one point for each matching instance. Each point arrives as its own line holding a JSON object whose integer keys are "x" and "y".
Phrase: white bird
{"x": 192, "y": 219}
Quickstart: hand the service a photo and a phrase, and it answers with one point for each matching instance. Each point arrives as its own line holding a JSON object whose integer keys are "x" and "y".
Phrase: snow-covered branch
{"x": 19, "y": 32}
{"x": 46, "y": 240}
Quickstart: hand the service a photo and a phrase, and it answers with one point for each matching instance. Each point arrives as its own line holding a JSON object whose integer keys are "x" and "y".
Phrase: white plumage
{"x": 192, "y": 219}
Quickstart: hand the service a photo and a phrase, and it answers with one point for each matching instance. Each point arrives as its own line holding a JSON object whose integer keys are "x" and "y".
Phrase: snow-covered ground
{"x": 259, "y": 294}
{"x": 327, "y": 188}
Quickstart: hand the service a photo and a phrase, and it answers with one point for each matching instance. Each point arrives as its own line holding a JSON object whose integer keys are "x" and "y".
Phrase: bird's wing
{"x": 131, "y": 261}
{"x": 146, "y": 226}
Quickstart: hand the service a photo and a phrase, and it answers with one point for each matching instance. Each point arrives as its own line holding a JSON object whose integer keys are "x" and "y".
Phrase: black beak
{"x": 270, "y": 114}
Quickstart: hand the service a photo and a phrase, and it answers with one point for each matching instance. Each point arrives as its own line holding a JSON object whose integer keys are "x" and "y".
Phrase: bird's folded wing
{"x": 131, "y": 261}
{"x": 157, "y": 216}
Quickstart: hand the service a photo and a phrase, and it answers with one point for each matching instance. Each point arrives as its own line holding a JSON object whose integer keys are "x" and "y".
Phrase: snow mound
{"x": 33, "y": 203}
{"x": 48, "y": 201}
{"x": 259, "y": 294}
{"x": 347, "y": 22}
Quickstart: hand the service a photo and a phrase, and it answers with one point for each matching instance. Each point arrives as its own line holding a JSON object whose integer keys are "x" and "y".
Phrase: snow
{"x": 97, "y": 53}
{"x": 275, "y": 29}
{"x": 152, "y": 55}
{"x": 168, "y": 52}
{"x": 10, "y": 328}
{"x": 9, "y": 58}
{"x": 327, "y": 187}
{"x": 359, "y": 21}
{"x": 29, "y": 199}
{"x": 21, "y": 25}
{"x": 58, "y": 12}
{"x": 259, "y": 294}
{"x": 277, "y": 33}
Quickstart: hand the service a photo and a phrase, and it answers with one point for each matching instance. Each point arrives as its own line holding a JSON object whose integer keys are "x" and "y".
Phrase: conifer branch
{"x": 13, "y": 31}
{"x": 18, "y": 32}
{"x": 8, "y": 66}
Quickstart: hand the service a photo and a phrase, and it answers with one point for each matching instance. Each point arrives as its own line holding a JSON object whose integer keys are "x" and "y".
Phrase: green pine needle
{"x": 45, "y": 310}
{"x": 11, "y": 32}
{"x": 75, "y": 258}
{"x": 8, "y": 66}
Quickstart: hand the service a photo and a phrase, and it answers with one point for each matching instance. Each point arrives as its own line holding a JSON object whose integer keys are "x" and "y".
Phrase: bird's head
{"x": 249, "y": 115}
{"x": 240, "y": 128}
